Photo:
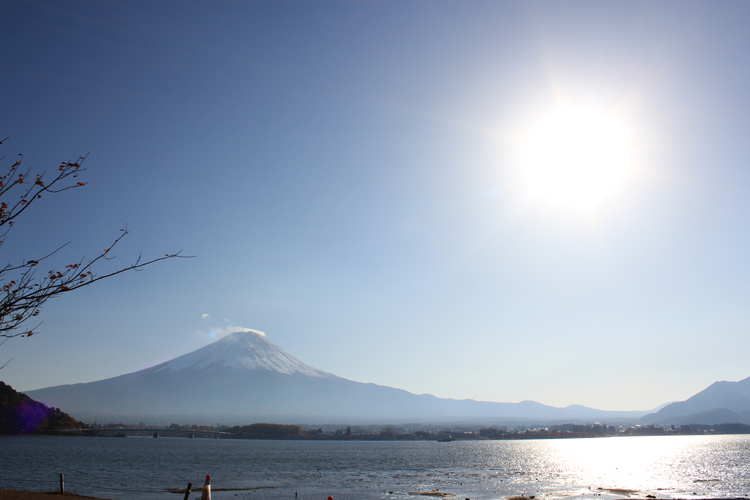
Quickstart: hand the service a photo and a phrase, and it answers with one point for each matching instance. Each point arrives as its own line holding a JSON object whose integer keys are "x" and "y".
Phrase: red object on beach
{"x": 330, "y": 498}
{"x": 207, "y": 488}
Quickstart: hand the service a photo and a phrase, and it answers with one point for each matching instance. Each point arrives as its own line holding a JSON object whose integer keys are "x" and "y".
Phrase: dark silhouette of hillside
{"x": 19, "y": 414}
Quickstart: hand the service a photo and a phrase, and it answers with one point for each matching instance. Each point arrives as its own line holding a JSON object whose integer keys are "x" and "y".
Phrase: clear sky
{"x": 352, "y": 180}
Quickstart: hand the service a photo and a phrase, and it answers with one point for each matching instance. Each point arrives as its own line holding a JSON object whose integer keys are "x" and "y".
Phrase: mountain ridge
{"x": 721, "y": 402}
{"x": 244, "y": 377}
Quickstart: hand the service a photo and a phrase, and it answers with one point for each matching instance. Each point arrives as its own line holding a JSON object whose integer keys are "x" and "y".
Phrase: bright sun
{"x": 574, "y": 158}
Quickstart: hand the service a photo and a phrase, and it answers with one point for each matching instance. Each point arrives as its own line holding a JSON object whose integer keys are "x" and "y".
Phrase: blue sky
{"x": 345, "y": 174}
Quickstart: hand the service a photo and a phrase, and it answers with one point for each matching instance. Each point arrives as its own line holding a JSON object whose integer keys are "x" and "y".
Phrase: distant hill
{"x": 19, "y": 414}
{"x": 720, "y": 403}
{"x": 244, "y": 378}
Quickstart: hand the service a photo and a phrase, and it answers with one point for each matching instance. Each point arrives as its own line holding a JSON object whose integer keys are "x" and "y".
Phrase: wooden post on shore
{"x": 62, "y": 484}
{"x": 187, "y": 491}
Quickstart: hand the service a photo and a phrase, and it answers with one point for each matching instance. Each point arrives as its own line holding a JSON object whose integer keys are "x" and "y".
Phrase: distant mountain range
{"x": 244, "y": 378}
{"x": 720, "y": 403}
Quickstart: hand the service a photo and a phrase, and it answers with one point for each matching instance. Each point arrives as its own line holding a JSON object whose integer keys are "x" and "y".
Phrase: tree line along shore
{"x": 400, "y": 433}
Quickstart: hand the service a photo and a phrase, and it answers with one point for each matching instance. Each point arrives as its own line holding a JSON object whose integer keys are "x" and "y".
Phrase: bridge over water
{"x": 149, "y": 431}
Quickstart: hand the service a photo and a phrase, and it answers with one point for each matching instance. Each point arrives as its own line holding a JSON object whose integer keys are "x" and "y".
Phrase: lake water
{"x": 139, "y": 468}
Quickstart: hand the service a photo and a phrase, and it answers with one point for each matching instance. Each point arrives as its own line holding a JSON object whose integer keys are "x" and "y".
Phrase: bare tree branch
{"x": 22, "y": 292}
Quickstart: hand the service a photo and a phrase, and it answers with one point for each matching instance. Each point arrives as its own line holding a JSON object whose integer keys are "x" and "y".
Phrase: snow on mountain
{"x": 241, "y": 352}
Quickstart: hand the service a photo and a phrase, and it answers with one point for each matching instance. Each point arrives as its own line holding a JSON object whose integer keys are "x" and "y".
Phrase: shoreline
{"x": 14, "y": 494}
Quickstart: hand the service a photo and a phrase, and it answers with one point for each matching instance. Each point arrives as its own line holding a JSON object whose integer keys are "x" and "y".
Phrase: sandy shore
{"x": 30, "y": 495}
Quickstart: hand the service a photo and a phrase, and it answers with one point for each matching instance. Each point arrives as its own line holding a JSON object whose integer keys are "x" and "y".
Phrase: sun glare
{"x": 574, "y": 158}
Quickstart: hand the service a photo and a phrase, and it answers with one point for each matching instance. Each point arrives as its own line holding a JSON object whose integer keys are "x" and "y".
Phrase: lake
{"x": 139, "y": 468}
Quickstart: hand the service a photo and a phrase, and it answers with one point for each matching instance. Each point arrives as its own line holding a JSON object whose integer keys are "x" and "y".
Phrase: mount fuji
{"x": 244, "y": 378}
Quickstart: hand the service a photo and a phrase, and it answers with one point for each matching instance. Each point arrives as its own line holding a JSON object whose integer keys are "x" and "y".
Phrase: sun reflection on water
{"x": 663, "y": 466}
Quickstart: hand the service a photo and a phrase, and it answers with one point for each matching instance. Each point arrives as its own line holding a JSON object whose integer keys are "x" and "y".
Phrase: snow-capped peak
{"x": 242, "y": 351}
